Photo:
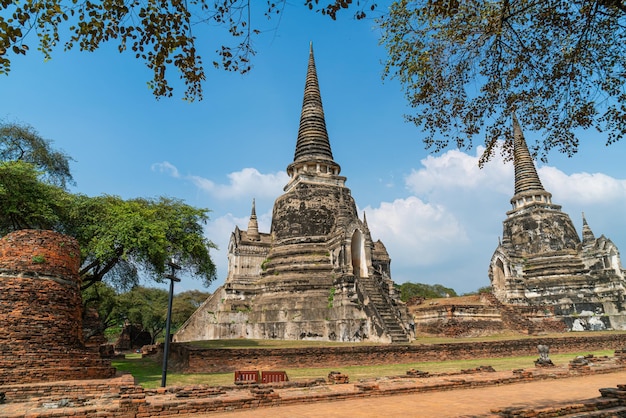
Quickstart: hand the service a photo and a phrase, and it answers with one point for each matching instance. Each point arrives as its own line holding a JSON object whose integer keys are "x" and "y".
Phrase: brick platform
{"x": 118, "y": 397}
{"x": 188, "y": 358}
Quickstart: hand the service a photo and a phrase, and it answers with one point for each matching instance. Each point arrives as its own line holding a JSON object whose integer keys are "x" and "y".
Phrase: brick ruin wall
{"x": 189, "y": 359}
{"x": 41, "y": 311}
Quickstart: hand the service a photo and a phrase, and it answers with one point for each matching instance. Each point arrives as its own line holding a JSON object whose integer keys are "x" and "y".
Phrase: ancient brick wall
{"x": 196, "y": 360}
{"x": 40, "y": 310}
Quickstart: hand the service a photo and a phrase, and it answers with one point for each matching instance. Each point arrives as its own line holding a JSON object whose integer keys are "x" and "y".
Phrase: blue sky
{"x": 438, "y": 215}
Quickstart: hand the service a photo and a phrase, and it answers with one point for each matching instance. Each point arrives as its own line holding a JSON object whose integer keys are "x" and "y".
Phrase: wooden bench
{"x": 274, "y": 377}
{"x": 246, "y": 377}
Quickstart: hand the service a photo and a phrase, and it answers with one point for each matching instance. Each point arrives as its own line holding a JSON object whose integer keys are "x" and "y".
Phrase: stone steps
{"x": 393, "y": 328}
{"x": 511, "y": 318}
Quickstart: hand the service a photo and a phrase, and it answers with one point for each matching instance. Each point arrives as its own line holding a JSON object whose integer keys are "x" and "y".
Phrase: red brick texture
{"x": 41, "y": 311}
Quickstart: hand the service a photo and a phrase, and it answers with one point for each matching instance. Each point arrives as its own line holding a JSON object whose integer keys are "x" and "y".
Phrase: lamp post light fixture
{"x": 172, "y": 276}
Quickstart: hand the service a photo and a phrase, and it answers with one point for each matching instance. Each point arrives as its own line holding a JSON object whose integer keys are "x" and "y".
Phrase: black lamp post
{"x": 166, "y": 349}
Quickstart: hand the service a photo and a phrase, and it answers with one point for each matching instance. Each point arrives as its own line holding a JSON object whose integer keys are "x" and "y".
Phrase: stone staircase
{"x": 384, "y": 310}
{"x": 511, "y": 318}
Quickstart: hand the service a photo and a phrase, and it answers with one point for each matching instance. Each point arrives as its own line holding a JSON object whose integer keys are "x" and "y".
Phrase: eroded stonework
{"x": 318, "y": 275}
{"x": 542, "y": 261}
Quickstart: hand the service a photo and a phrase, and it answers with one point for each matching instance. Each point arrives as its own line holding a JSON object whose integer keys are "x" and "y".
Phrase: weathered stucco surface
{"x": 317, "y": 275}
{"x": 541, "y": 260}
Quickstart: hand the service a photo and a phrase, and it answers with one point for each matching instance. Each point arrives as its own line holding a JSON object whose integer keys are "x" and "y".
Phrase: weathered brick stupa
{"x": 318, "y": 275}
{"x": 542, "y": 261}
{"x": 40, "y": 311}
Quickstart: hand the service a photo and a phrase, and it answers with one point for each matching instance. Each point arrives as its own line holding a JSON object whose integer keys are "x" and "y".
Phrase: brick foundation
{"x": 189, "y": 359}
{"x": 41, "y": 311}
{"x": 118, "y": 397}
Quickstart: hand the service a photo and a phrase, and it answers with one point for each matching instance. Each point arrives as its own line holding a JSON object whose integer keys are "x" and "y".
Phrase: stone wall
{"x": 41, "y": 311}
{"x": 190, "y": 359}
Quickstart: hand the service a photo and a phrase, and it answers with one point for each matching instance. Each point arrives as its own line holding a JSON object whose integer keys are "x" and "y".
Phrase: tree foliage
{"x": 468, "y": 65}
{"x": 410, "y": 290}
{"x": 142, "y": 306}
{"x": 20, "y": 142}
{"x": 160, "y": 33}
{"x": 465, "y": 65}
{"x": 104, "y": 299}
{"x": 147, "y": 307}
{"x": 185, "y": 304}
{"x": 119, "y": 239}
{"x": 27, "y": 202}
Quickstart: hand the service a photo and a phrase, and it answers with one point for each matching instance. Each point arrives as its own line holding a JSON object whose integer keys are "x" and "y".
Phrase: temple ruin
{"x": 41, "y": 311}
{"x": 318, "y": 275}
{"x": 541, "y": 261}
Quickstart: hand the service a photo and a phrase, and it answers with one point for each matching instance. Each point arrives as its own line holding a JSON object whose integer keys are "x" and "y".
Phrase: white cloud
{"x": 583, "y": 188}
{"x": 456, "y": 170}
{"x": 416, "y": 233}
{"x": 245, "y": 183}
{"x": 447, "y": 227}
{"x": 447, "y": 231}
{"x": 167, "y": 168}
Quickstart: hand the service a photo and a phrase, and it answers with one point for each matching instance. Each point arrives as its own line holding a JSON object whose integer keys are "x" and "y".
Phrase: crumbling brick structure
{"x": 40, "y": 311}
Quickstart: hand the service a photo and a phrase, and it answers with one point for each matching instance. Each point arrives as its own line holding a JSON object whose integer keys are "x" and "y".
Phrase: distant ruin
{"x": 541, "y": 261}
{"x": 40, "y": 311}
{"x": 318, "y": 275}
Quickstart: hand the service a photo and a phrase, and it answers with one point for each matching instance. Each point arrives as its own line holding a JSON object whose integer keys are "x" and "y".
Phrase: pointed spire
{"x": 526, "y": 177}
{"x": 588, "y": 236}
{"x": 313, "y": 160}
{"x": 253, "y": 226}
{"x": 528, "y": 187}
{"x": 365, "y": 220}
{"x": 313, "y": 140}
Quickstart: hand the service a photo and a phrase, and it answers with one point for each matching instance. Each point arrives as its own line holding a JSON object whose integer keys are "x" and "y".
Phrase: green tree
{"x": 104, "y": 299}
{"x": 480, "y": 291}
{"x": 146, "y": 307}
{"x": 185, "y": 304}
{"x": 409, "y": 290}
{"x": 20, "y": 142}
{"x": 156, "y": 32}
{"x": 119, "y": 238}
{"x": 26, "y": 201}
{"x": 468, "y": 65}
{"x": 465, "y": 65}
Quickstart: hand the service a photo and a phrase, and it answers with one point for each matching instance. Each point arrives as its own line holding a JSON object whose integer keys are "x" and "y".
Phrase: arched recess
{"x": 613, "y": 260}
{"x": 357, "y": 247}
{"x": 499, "y": 277}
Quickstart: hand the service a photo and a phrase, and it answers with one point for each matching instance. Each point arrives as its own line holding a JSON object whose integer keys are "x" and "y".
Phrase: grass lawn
{"x": 147, "y": 372}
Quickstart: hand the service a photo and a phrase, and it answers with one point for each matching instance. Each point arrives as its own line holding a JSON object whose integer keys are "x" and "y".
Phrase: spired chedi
{"x": 541, "y": 261}
{"x": 317, "y": 275}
